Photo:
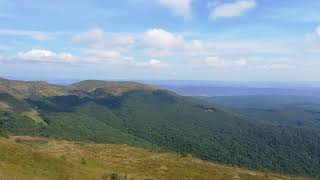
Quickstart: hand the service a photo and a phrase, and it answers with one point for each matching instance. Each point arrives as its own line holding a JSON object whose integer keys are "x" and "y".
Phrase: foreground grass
{"x": 39, "y": 158}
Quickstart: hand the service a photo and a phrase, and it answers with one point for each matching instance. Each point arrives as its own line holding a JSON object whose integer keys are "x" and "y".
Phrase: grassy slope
{"x": 22, "y": 89}
{"x": 116, "y": 88}
{"x": 25, "y": 89}
{"x": 39, "y": 158}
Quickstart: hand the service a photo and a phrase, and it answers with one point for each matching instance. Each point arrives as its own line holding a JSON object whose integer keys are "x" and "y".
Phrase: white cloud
{"x": 105, "y": 56}
{"x": 228, "y": 10}
{"x": 162, "y": 39}
{"x": 103, "y": 47}
{"x": 152, "y": 63}
{"x": 318, "y": 31}
{"x": 221, "y": 63}
{"x": 180, "y": 7}
{"x": 245, "y": 47}
{"x": 98, "y": 38}
{"x": 158, "y": 42}
{"x": 313, "y": 36}
{"x": 45, "y": 56}
{"x": 161, "y": 43}
{"x": 195, "y": 45}
{"x": 90, "y": 56}
{"x": 36, "y": 35}
{"x": 276, "y": 66}
{"x": 116, "y": 58}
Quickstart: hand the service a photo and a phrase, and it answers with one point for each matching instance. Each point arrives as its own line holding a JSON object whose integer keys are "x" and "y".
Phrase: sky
{"x": 224, "y": 40}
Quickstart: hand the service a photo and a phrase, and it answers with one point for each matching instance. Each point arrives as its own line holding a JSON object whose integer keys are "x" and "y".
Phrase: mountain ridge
{"x": 28, "y": 88}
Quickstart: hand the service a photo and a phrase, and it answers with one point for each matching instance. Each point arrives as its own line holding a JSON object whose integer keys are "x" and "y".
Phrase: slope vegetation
{"x": 40, "y": 158}
{"x": 159, "y": 119}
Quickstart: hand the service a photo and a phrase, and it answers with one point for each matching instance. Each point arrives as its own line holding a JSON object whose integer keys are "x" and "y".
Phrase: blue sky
{"x": 238, "y": 40}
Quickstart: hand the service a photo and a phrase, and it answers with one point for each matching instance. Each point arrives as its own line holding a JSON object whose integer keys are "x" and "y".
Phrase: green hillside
{"x": 26, "y": 158}
{"x": 295, "y": 111}
{"x": 22, "y": 89}
{"x": 115, "y": 88}
{"x": 161, "y": 120}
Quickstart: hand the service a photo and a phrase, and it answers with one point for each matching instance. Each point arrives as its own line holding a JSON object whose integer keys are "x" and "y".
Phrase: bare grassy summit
{"x": 113, "y": 87}
{"x": 24, "y": 89}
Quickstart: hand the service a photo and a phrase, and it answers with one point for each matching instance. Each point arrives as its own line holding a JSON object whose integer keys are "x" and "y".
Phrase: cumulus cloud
{"x": 45, "y": 56}
{"x": 221, "y": 63}
{"x": 36, "y": 35}
{"x": 313, "y": 36}
{"x": 180, "y": 7}
{"x": 152, "y": 63}
{"x": 159, "y": 42}
{"x": 161, "y": 38}
{"x": 103, "y": 47}
{"x": 116, "y": 58}
{"x": 228, "y": 10}
{"x": 89, "y": 56}
{"x": 111, "y": 49}
{"x": 98, "y": 38}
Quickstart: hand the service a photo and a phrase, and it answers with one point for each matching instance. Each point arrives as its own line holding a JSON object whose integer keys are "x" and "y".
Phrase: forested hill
{"x": 145, "y": 116}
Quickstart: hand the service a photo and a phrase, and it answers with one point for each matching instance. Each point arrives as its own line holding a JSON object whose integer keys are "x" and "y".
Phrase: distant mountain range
{"x": 151, "y": 117}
